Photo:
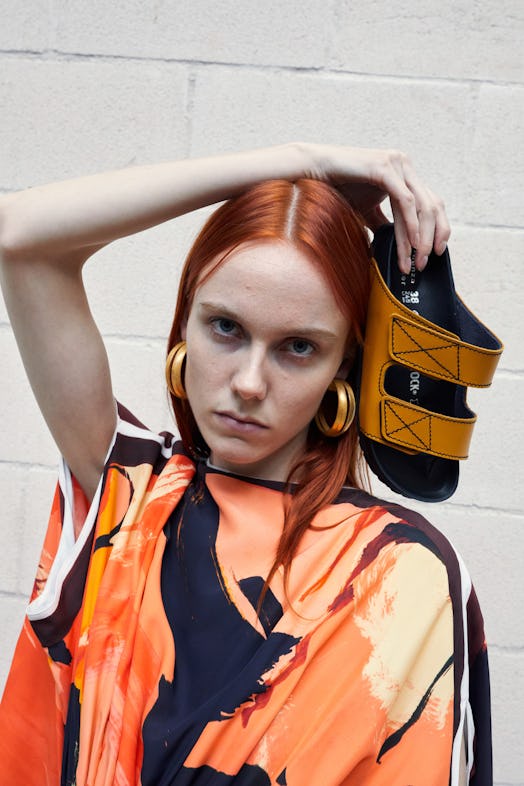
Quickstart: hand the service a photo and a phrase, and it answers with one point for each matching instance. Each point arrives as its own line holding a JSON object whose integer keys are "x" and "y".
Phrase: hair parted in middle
{"x": 315, "y": 218}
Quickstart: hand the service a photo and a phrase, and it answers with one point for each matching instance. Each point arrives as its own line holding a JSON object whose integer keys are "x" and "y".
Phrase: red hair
{"x": 313, "y": 216}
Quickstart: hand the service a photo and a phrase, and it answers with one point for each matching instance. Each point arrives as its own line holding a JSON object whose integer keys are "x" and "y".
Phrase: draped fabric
{"x": 145, "y": 658}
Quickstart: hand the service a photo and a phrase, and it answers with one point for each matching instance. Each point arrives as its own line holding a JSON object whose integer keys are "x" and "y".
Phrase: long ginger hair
{"x": 313, "y": 216}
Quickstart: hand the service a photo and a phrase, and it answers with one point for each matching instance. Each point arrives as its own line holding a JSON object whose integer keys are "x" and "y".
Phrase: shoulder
{"x": 391, "y": 533}
{"x": 398, "y": 523}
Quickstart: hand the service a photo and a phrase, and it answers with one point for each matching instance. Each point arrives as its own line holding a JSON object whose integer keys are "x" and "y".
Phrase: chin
{"x": 242, "y": 462}
{"x": 234, "y": 460}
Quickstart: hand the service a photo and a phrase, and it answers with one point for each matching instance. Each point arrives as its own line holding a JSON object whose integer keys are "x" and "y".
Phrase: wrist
{"x": 288, "y": 161}
{"x": 313, "y": 160}
{"x": 305, "y": 157}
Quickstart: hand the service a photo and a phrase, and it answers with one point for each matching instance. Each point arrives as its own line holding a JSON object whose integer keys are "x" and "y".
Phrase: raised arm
{"x": 47, "y": 234}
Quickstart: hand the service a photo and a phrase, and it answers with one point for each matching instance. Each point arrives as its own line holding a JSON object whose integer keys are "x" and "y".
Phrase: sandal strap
{"x": 395, "y": 335}
{"x": 415, "y": 428}
{"x": 441, "y": 354}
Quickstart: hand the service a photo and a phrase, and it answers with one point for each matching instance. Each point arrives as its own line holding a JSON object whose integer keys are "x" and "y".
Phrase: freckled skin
{"x": 265, "y": 337}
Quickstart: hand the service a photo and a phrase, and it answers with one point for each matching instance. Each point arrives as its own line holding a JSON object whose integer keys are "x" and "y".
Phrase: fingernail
{"x": 443, "y": 248}
{"x": 423, "y": 262}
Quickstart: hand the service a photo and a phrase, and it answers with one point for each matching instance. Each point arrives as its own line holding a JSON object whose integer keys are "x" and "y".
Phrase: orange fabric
{"x": 366, "y": 695}
{"x": 115, "y": 665}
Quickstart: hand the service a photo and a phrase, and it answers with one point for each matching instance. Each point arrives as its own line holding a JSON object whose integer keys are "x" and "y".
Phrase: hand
{"x": 366, "y": 177}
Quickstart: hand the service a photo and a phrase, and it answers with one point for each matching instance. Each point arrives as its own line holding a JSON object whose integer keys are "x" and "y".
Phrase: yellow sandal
{"x": 423, "y": 349}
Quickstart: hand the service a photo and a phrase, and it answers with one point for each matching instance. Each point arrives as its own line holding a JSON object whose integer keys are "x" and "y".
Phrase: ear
{"x": 183, "y": 329}
{"x": 344, "y": 369}
{"x": 348, "y": 361}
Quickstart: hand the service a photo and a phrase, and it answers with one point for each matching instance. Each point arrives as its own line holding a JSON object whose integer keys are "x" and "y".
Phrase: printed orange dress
{"x": 142, "y": 659}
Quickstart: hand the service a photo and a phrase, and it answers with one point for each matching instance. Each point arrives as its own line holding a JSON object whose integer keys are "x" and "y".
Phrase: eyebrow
{"x": 314, "y": 332}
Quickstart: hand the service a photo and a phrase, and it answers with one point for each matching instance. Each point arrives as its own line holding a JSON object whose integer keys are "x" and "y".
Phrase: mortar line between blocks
{"x": 322, "y": 71}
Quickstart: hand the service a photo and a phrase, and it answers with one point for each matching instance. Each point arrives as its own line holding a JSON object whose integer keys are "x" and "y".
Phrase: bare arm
{"x": 47, "y": 234}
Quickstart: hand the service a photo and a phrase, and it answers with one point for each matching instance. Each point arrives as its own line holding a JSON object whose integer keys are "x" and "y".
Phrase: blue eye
{"x": 301, "y": 347}
{"x": 224, "y": 326}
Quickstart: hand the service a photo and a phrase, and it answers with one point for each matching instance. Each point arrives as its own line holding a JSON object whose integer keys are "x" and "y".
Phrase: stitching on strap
{"x": 451, "y": 345}
{"x": 389, "y": 407}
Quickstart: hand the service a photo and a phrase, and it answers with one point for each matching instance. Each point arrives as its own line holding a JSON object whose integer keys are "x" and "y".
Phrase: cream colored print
{"x": 404, "y": 610}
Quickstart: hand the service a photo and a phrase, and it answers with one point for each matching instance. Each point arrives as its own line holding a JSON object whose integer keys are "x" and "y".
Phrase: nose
{"x": 249, "y": 378}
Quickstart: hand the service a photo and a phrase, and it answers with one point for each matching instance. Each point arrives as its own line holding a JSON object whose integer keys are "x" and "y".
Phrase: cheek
{"x": 204, "y": 374}
{"x": 193, "y": 372}
{"x": 300, "y": 401}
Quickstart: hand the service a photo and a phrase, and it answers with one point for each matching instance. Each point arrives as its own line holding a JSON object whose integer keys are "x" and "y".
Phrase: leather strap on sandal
{"x": 398, "y": 335}
{"x": 440, "y": 354}
{"x": 412, "y": 427}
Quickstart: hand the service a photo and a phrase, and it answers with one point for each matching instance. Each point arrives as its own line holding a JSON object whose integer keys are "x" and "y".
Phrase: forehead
{"x": 273, "y": 280}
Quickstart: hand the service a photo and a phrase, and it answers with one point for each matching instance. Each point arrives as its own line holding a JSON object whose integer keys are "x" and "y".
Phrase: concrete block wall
{"x": 89, "y": 86}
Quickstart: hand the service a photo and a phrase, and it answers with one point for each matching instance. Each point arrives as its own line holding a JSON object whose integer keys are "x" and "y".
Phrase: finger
{"x": 442, "y": 227}
{"x": 403, "y": 205}
{"x": 404, "y": 247}
{"x": 420, "y": 219}
{"x": 433, "y": 225}
{"x": 426, "y": 218}
{"x": 433, "y": 228}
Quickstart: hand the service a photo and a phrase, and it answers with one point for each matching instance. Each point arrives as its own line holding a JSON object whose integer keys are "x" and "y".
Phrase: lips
{"x": 240, "y": 423}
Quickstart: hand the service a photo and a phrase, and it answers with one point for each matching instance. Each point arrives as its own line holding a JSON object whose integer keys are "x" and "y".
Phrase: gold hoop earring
{"x": 174, "y": 363}
{"x": 346, "y": 408}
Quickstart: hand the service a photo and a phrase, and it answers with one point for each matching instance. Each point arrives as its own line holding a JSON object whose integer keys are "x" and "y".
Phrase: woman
{"x": 319, "y": 633}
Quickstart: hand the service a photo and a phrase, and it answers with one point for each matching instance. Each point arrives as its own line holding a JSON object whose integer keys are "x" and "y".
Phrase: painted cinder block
{"x": 507, "y": 689}
{"x": 12, "y": 611}
{"x": 495, "y": 172}
{"x": 456, "y": 40}
{"x": 25, "y": 437}
{"x": 40, "y": 483}
{"x": 26, "y": 27}
{"x": 87, "y": 116}
{"x": 26, "y": 495}
{"x": 4, "y": 319}
{"x": 137, "y": 369}
{"x": 12, "y": 483}
{"x": 271, "y": 33}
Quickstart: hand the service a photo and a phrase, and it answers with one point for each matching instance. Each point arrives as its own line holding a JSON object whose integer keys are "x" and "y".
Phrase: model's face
{"x": 265, "y": 338}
